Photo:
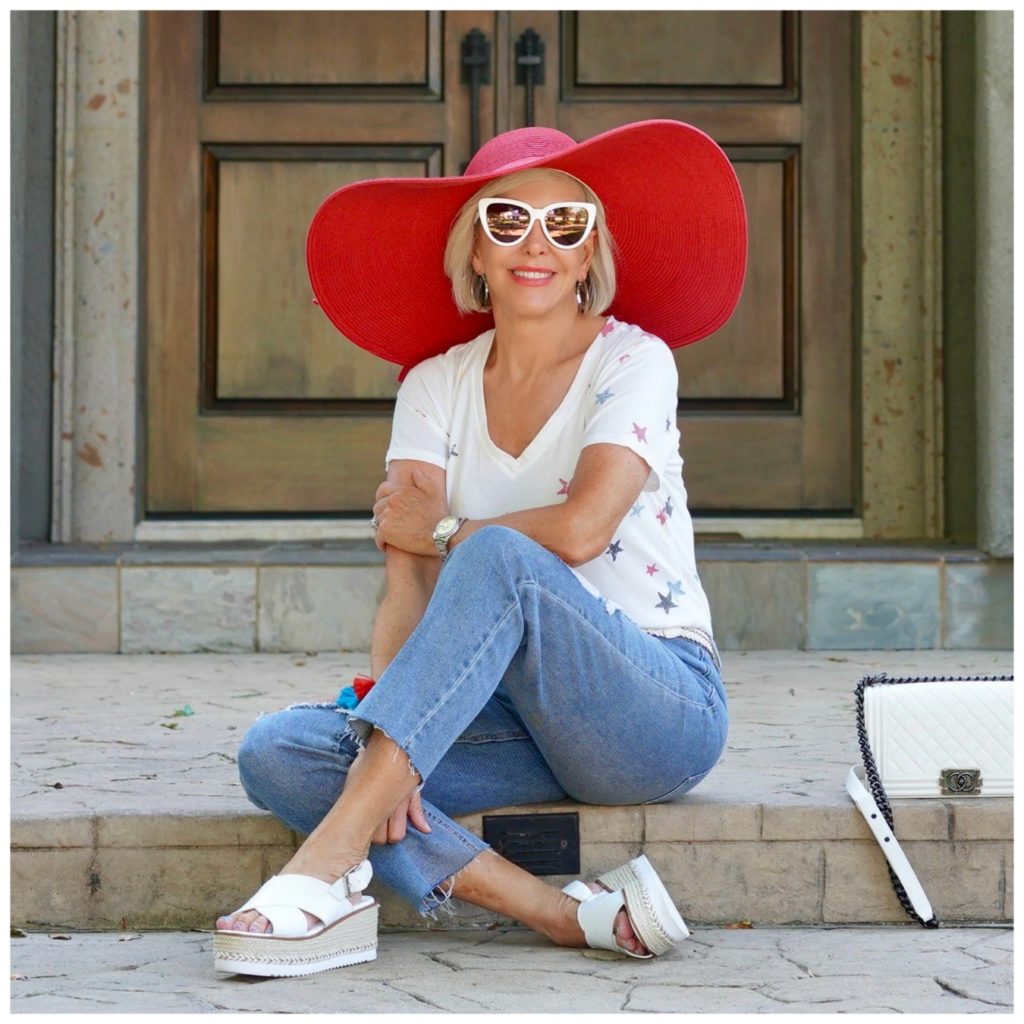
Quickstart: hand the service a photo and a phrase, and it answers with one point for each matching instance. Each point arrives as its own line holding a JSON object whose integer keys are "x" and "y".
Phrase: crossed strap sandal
{"x": 637, "y": 887}
{"x": 345, "y": 934}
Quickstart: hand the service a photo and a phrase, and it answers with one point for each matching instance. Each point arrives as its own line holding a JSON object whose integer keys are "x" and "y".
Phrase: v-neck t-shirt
{"x": 625, "y": 393}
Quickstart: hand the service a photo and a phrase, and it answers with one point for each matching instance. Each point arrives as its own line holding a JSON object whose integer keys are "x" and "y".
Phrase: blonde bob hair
{"x": 600, "y": 283}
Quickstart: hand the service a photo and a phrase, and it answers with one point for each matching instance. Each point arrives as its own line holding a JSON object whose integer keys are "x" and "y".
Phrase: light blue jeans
{"x": 516, "y": 687}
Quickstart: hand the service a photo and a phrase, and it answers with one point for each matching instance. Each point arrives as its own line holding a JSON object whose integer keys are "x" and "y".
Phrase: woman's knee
{"x": 492, "y": 544}
{"x": 274, "y": 746}
{"x": 259, "y": 752}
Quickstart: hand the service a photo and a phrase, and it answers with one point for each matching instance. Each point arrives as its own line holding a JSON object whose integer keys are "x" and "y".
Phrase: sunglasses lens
{"x": 506, "y": 222}
{"x": 567, "y": 225}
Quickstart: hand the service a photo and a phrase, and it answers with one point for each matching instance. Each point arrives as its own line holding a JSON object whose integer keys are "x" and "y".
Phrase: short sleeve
{"x": 421, "y": 424}
{"x": 633, "y": 403}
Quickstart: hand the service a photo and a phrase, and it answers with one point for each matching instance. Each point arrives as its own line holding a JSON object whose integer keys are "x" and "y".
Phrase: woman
{"x": 544, "y": 633}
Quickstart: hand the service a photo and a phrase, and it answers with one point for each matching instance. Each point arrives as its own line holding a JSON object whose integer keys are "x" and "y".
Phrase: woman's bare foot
{"x": 305, "y": 862}
{"x": 567, "y": 931}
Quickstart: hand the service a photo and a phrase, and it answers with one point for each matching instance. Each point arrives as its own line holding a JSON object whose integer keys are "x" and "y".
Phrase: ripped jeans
{"x": 517, "y": 687}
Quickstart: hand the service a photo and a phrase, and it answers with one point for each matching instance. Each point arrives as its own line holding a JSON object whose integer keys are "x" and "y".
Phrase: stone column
{"x": 96, "y": 272}
{"x": 900, "y": 211}
{"x": 994, "y": 282}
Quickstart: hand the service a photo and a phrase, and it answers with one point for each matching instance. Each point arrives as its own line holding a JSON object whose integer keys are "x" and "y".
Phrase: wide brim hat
{"x": 673, "y": 205}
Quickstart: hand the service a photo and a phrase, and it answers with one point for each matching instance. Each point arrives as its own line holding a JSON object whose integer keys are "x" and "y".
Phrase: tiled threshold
{"x": 321, "y": 595}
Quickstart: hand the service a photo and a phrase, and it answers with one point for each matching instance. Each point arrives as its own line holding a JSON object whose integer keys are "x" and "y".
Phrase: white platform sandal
{"x": 345, "y": 934}
{"x": 637, "y": 887}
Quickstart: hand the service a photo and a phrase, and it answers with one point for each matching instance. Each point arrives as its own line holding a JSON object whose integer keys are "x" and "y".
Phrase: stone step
{"x": 119, "y": 822}
{"x": 322, "y": 596}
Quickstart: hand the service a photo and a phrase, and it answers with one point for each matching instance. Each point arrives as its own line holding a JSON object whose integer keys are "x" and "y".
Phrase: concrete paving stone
{"x": 759, "y": 881}
{"x": 50, "y": 886}
{"x": 66, "y": 609}
{"x": 986, "y": 985}
{"x": 697, "y": 998}
{"x": 829, "y": 995}
{"x": 981, "y": 819}
{"x": 1008, "y": 887}
{"x": 872, "y": 950}
{"x": 701, "y": 818}
{"x": 994, "y": 947}
{"x": 963, "y": 881}
{"x": 850, "y": 970}
{"x": 161, "y": 888}
{"x": 145, "y": 831}
{"x": 914, "y": 819}
{"x": 49, "y": 833}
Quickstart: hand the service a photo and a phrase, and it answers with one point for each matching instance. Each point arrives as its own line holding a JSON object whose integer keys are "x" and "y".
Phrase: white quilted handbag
{"x": 931, "y": 737}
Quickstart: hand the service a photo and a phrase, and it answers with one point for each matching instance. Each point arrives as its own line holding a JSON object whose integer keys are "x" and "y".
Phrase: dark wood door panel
{"x": 347, "y": 51}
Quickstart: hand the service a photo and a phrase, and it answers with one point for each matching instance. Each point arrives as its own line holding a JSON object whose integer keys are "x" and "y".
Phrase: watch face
{"x": 446, "y": 526}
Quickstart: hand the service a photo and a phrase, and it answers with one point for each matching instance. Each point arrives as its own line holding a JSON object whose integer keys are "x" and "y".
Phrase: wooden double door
{"x": 255, "y": 404}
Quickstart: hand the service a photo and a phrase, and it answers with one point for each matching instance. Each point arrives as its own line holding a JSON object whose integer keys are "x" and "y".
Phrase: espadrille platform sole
{"x": 345, "y": 932}
{"x": 651, "y": 911}
{"x": 352, "y": 940}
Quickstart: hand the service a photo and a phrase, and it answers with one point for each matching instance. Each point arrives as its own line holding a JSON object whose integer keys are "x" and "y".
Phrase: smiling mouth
{"x": 533, "y": 275}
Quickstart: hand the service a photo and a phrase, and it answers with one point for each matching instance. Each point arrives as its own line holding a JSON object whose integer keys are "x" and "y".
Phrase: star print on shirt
{"x": 668, "y": 506}
{"x": 652, "y": 569}
{"x": 668, "y": 424}
{"x": 662, "y": 517}
{"x": 636, "y": 509}
{"x": 565, "y": 486}
{"x": 622, "y": 359}
{"x": 676, "y": 587}
{"x": 641, "y": 432}
{"x": 608, "y": 328}
{"x": 603, "y": 396}
{"x": 452, "y": 453}
{"x": 666, "y": 602}
{"x": 614, "y": 549}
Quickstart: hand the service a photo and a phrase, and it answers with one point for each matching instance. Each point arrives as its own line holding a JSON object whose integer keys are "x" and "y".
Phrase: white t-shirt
{"x": 624, "y": 393}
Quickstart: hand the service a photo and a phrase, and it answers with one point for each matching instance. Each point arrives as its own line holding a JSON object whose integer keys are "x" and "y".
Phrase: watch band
{"x": 441, "y": 543}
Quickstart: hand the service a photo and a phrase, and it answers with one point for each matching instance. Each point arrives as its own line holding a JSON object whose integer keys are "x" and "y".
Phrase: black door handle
{"x": 529, "y": 67}
{"x": 476, "y": 71}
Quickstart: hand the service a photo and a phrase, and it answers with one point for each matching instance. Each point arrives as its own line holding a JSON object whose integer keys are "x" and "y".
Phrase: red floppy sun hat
{"x": 375, "y": 249}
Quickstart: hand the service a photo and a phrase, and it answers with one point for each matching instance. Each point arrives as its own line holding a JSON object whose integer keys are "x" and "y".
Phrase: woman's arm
{"x": 607, "y": 482}
{"x": 410, "y": 581}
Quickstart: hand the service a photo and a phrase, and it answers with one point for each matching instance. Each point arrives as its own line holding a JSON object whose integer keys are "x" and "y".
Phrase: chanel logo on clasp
{"x": 960, "y": 781}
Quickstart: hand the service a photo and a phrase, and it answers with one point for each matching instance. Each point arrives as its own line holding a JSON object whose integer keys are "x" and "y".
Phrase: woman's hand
{"x": 393, "y": 830}
{"x": 407, "y": 513}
